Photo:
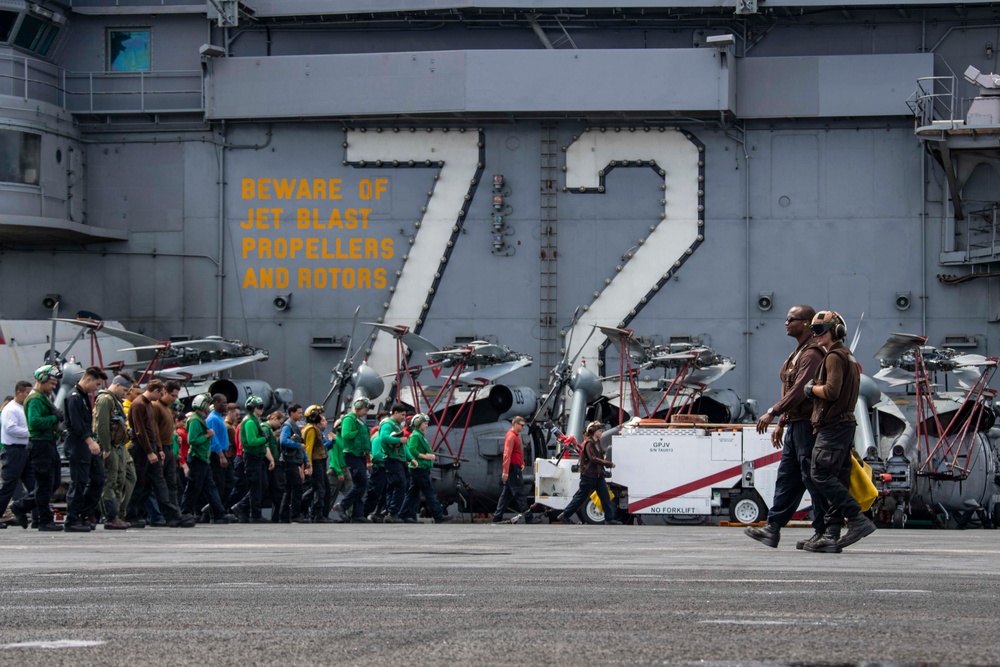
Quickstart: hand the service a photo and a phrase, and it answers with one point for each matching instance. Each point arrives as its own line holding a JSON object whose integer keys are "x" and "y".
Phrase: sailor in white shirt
{"x": 14, "y": 468}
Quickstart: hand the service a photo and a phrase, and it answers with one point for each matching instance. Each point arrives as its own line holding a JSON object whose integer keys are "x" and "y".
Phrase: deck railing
{"x": 170, "y": 91}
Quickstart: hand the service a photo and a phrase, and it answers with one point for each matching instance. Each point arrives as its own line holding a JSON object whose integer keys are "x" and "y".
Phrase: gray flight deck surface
{"x": 494, "y": 595}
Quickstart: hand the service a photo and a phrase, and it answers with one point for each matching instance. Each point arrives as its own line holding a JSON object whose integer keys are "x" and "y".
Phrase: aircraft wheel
{"x": 747, "y": 508}
{"x": 899, "y": 518}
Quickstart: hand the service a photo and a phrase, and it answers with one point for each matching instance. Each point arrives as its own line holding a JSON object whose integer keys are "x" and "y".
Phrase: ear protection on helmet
{"x": 827, "y": 320}
{"x": 202, "y": 402}
{"x": 254, "y": 402}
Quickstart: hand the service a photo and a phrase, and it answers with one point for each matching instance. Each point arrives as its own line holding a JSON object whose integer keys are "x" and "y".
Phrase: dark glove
{"x": 60, "y": 415}
{"x": 808, "y": 389}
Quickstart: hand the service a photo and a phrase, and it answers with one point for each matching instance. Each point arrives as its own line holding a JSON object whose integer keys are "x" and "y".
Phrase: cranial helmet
{"x": 362, "y": 403}
{"x": 202, "y": 402}
{"x": 827, "y": 320}
{"x": 418, "y": 419}
{"x": 254, "y": 402}
{"x": 313, "y": 413}
{"x": 48, "y": 372}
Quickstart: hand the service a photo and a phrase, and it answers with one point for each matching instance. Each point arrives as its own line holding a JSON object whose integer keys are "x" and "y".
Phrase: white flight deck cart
{"x": 675, "y": 470}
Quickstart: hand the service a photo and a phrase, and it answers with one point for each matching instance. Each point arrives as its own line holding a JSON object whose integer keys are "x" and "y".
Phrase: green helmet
{"x": 48, "y": 372}
{"x": 202, "y": 402}
{"x": 254, "y": 402}
{"x": 418, "y": 419}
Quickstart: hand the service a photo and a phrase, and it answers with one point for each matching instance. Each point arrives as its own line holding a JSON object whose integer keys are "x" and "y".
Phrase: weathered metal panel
{"x": 824, "y": 86}
{"x": 469, "y": 81}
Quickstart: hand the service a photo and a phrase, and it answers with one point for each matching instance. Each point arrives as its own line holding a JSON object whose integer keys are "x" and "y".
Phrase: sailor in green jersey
{"x": 275, "y": 476}
{"x": 256, "y": 460}
{"x": 377, "y": 481}
{"x": 43, "y": 431}
{"x": 199, "y": 476}
{"x": 393, "y": 441}
{"x": 420, "y": 474}
{"x": 357, "y": 447}
{"x": 338, "y": 476}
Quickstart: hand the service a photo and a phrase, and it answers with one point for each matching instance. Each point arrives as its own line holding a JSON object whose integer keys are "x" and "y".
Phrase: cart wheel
{"x": 747, "y": 508}
{"x": 899, "y": 518}
{"x": 590, "y": 514}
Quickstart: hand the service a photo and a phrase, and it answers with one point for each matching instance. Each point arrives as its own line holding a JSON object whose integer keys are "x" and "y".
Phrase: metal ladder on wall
{"x": 548, "y": 254}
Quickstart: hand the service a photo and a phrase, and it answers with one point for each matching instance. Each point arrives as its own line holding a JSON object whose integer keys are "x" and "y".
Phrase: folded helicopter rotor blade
{"x": 482, "y": 376}
{"x": 973, "y": 360}
{"x": 857, "y": 333}
{"x": 199, "y": 370}
{"x": 593, "y": 330}
{"x": 967, "y": 377}
{"x": 897, "y": 345}
{"x": 895, "y": 376}
{"x": 418, "y": 344}
{"x": 115, "y": 332}
{"x": 159, "y": 347}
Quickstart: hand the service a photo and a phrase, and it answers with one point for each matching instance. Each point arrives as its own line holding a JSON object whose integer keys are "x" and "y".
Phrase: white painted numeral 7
{"x": 458, "y": 158}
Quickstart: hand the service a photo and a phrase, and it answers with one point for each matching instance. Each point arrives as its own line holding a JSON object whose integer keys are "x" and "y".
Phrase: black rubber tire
{"x": 741, "y": 508}
{"x": 898, "y": 518}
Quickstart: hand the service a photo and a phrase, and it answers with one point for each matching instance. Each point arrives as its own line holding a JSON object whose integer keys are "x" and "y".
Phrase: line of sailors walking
{"x": 134, "y": 459}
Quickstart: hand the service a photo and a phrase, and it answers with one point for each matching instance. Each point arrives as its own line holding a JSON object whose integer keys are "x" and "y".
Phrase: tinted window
{"x": 128, "y": 50}
{"x": 7, "y": 20}
{"x": 46, "y": 43}
{"x": 31, "y": 30}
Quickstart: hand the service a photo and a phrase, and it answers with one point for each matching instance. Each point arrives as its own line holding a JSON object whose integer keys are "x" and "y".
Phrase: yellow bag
{"x": 862, "y": 487}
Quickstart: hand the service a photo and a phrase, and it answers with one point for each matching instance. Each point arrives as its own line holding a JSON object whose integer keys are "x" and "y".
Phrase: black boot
{"x": 801, "y": 544}
{"x": 857, "y": 528}
{"x": 827, "y": 544}
{"x": 768, "y": 535}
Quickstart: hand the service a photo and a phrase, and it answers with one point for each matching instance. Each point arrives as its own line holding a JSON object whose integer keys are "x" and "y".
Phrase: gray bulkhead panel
{"x": 490, "y": 81}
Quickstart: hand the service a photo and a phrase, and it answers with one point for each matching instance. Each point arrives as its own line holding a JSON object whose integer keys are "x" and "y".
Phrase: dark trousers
{"x": 170, "y": 476}
{"x": 377, "y": 482}
{"x": 86, "y": 473}
{"x": 831, "y": 471}
{"x": 291, "y": 498}
{"x": 239, "y": 487}
{"x": 43, "y": 457}
{"x": 276, "y": 489}
{"x": 14, "y": 470}
{"x": 793, "y": 478}
{"x": 201, "y": 483}
{"x": 395, "y": 487}
{"x": 587, "y": 486}
{"x": 151, "y": 484}
{"x": 512, "y": 491}
{"x": 320, "y": 489}
{"x": 222, "y": 477}
{"x": 420, "y": 483}
{"x": 354, "y": 501}
{"x": 254, "y": 468}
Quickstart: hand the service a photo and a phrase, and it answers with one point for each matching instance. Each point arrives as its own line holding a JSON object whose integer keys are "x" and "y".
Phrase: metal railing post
{"x": 91, "y": 77}
{"x": 142, "y": 92}
{"x": 25, "y": 79}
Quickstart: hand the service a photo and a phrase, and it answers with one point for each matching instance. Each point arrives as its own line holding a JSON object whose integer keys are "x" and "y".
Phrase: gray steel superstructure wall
{"x": 833, "y": 203}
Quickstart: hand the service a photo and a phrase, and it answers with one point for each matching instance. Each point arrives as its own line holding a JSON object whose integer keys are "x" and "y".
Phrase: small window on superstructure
{"x": 128, "y": 50}
{"x": 7, "y": 21}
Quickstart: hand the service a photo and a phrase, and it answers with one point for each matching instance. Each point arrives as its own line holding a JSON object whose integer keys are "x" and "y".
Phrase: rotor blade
{"x": 967, "y": 377}
{"x": 857, "y": 333}
{"x": 491, "y": 373}
{"x": 350, "y": 341}
{"x": 418, "y": 343}
{"x": 123, "y": 334}
{"x": 576, "y": 313}
{"x": 894, "y": 376}
{"x": 897, "y": 345}
{"x": 580, "y": 351}
{"x": 208, "y": 345}
{"x": 139, "y": 348}
{"x": 450, "y": 352}
{"x": 198, "y": 370}
{"x": 709, "y": 374}
{"x": 973, "y": 360}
